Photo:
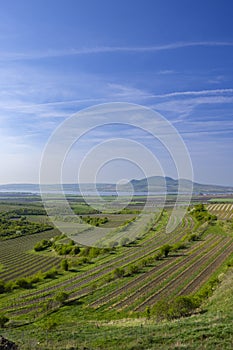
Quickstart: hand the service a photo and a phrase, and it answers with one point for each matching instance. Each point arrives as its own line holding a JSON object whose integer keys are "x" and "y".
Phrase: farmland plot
{"x": 223, "y": 211}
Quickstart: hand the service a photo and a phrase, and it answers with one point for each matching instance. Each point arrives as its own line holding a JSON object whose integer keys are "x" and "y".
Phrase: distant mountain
{"x": 167, "y": 184}
{"x": 152, "y": 184}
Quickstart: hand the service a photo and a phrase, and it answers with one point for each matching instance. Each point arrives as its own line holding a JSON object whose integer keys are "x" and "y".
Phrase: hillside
{"x": 167, "y": 184}
{"x": 152, "y": 293}
{"x": 153, "y": 183}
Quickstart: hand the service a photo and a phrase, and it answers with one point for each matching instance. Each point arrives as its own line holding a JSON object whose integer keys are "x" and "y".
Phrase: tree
{"x": 165, "y": 249}
{"x": 65, "y": 265}
{"x": 148, "y": 312}
{"x": 133, "y": 269}
{"x": 118, "y": 272}
{"x": 61, "y": 297}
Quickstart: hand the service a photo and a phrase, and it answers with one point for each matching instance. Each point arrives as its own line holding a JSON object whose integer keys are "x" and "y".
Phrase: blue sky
{"x": 58, "y": 57}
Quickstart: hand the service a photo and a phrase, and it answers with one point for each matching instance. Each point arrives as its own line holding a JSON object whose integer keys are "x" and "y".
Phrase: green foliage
{"x": 118, "y": 273}
{"x": 133, "y": 269}
{"x": 52, "y": 273}
{"x": 11, "y": 226}
{"x": 3, "y": 320}
{"x": 95, "y": 220}
{"x": 24, "y": 283}
{"x": 44, "y": 244}
{"x": 193, "y": 237}
{"x": 148, "y": 312}
{"x": 26, "y": 211}
{"x": 2, "y": 287}
{"x": 178, "y": 246}
{"x": 201, "y": 214}
{"x": 49, "y": 325}
{"x": 65, "y": 265}
{"x": 61, "y": 297}
{"x": 178, "y": 307}
{"x": 84, "y": 209}
{"x": 165, "y": 249}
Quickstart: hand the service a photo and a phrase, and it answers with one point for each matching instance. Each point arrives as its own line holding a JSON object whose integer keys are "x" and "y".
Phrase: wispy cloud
{"x": 195, "y": 93}
{"x": 109, "y": 49}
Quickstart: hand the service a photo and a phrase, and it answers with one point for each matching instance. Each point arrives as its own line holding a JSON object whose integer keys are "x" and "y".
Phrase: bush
{"x": 65, "y": 265}
{"x": 118, "y": 272}
{"x": 61, "y": 297}
{"x": 133, "y": 269}
{"x": 179, "y": 307}
{"x": 24, "y": 283}
{"x": 193, "y": 237}
{"x": 2, "y": 287}
{"x": 3, "y": 321}
{"x": 75, "y": 250}
{"x": 51, "y": 273}
{"x": 165, "y": 249}
{"x": 158, "y": 256}
{"x": 178, "y": 246}
{"x": 44, "y": 244}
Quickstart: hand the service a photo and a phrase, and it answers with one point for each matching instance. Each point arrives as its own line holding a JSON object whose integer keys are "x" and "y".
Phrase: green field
{"x": 221, "y": 200}
{"x": 162, "y": 291}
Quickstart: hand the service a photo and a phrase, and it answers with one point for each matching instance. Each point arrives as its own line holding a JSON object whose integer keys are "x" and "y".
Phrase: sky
{"x": 60, "y": 57}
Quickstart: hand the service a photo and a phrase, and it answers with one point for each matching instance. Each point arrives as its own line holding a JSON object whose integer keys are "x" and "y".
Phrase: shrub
{"x": 44, "y": 244}
{"x": 24, "y": 283}
{"x": 178, "y": 246}
{"x": 52, "y": 273}
{"x": 2, "y": 287}
{"x": 133, "y": 269}
{"x": 158, "y": 256}
{"x": 178, "y": 307}
{"x": 165, "y": 249}
{"x": 65, "y": 265}
{"x": 3, "y": 321}
{"x": 118, "y": 272}
{"x": 75, "y": 250}
{"x": 193, "y": 237}
{"x": 61, "y": 297}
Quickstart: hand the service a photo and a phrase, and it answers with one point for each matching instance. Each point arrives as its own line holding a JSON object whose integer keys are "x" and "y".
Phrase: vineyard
{"x": 125, "y": 281}
{"x": 223, "y": 211}
{"x": 18, "y": 260}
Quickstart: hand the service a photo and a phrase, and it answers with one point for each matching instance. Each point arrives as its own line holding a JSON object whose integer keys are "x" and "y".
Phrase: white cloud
{"x": 5, "y": 56}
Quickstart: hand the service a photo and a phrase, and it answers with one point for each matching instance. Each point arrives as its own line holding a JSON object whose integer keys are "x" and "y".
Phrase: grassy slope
{"x": 78, "y": 329}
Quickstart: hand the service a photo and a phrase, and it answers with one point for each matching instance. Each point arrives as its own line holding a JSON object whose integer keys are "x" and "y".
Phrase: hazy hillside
{"x": 153, "y": 184}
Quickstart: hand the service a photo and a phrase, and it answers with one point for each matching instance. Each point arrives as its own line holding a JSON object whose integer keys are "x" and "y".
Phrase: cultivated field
{"x": 223, "y": 211}
{"x": 122, "y": 282}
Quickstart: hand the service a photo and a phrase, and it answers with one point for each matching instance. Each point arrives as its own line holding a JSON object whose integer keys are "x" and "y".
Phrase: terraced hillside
{"x": 18, "y": 260}
{"x": 132, "y": 279}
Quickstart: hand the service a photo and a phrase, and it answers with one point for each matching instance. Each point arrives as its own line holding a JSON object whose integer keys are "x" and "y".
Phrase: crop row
{"x": 134, "y": 284}
{"x": 204, "y": 275}
{"x": 82, "y": 280}
{"x": 222, "y": 211}
{"x": 174, "y": 283}
{"x": 18, "y": 262}
{"x": 154, "y": 284}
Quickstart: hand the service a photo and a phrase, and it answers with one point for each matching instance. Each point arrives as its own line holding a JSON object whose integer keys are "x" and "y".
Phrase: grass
{"x": 77, "y": 327}
{"x": 221, "y": 200}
